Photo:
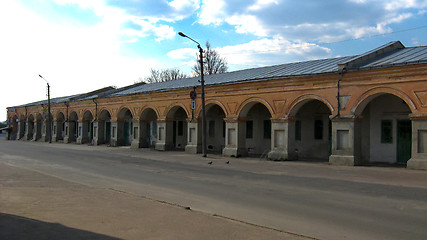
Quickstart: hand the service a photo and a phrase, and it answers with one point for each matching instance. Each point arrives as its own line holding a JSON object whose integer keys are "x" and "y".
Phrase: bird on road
{"x": 228, "y": 162}
{"x": 210, "y": 162}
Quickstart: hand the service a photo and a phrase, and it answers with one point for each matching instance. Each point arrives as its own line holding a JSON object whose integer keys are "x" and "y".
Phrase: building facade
{"x": 354, "y": 110}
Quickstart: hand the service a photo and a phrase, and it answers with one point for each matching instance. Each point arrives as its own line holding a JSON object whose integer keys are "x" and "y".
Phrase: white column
{"x": 346, "y": 141}
{"x": 419, "y": 144}
{"x": 194, "y": 136}
{"x": 235, "y": 137}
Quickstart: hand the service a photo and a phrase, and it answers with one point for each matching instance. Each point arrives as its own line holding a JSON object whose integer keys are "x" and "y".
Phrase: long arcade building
{"x": 350, "y": 110}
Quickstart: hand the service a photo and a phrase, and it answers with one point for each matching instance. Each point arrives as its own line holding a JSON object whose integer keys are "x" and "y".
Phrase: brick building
{"x": 350, "y": 110}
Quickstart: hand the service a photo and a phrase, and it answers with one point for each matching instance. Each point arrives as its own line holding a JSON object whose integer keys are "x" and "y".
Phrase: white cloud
{"x": 260, "y": 52}
{"x": 260, "y": 4}
{"x": 268, "y": 51}
{"x": 394, "y": 5}
{"x": 247, "y": 24}
{"x": 212, "y": 12}
{"x": 74, "y": 59}
{"x": 180, "y": 5}
{"x": 182, "y": 53}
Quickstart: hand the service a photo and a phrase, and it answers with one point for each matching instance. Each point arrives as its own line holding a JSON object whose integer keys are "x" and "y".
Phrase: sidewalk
{"x": 37, "y": 206}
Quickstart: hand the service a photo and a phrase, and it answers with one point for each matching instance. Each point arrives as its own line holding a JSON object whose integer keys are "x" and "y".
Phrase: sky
{"x": 82, "y": 45}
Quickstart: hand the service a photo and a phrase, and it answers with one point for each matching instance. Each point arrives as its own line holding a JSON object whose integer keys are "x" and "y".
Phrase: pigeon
{"x": 210, "y": 162}
{"x": 228, "y": 162}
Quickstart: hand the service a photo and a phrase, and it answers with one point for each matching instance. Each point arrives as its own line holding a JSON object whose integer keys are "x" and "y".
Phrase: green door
{"x": 126, "y": 133}
{"x": 174, "y": 134}
{"x": 404, "y": 140}
{"x": 107, "y": 132}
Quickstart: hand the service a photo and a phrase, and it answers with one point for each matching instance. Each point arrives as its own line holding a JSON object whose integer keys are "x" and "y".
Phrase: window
{"x": 211, "y": 128}
{"x": 386, "y": 131}
{"x": 298, "y": 130}
{"x": 249, "y": 129}
{"x": 318, "y": 129}
{"x": 267, "y": 129}
{"x": 180, "y": 128}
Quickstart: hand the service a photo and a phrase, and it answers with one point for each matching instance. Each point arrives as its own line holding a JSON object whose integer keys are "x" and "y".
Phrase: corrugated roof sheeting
{"x": 277, "y": 71}
{"x": 383, "y": 56}
{"x": 400, "y": 57}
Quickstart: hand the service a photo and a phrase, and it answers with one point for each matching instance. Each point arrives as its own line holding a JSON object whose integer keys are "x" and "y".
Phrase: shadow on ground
{"x": 15, "y": 227}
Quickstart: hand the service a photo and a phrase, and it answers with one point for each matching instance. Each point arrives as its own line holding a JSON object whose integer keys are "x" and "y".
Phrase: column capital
{"x": 418, "y": 116}
{"x": 345, "y": 118}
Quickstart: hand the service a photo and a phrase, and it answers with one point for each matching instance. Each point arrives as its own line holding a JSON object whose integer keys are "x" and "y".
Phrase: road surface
{"x": 310, "y": 199}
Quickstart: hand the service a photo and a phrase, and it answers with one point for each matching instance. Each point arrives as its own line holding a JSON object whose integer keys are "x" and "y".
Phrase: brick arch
{"x": 31, "y": 117}
{"x": 125, "y": 107}
{"x": 173, "y": 105}
{"x": 246, "y": 105}
{"x": 372, "y": 93}
{"x": 84, "y": 113}
{"x": 58, "y": 115}
{"x": 301, "y": 100}
{"x": 209, "y": 104}
{"x": 102, "y": 110}
{"x": 77, "y": 114}
{"x": 147, "y": 107}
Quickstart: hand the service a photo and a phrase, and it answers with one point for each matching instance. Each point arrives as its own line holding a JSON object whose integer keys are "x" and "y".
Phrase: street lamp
{"x": 202, "y": 83}
{"x": 48, "y": 104}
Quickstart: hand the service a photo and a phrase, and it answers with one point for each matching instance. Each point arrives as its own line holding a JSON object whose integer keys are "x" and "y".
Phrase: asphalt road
{"x": 311, "y": 199}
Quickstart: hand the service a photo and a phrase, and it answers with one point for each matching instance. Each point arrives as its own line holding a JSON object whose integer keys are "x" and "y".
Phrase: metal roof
{"x": 390, "y": 54}
{"x": 253, "y": 74}
{"x": 410, "y": 55}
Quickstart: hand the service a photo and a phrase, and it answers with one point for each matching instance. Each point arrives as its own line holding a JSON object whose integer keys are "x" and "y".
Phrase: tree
{"x": 213, "y": 63}
{"x": 164, "y": 75}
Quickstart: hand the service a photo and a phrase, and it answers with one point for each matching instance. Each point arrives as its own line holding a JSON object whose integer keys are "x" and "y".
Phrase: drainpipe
{"x": 67, "y": 104}
{"x": 96, "y": 109}
{"x": 341, "y": 74}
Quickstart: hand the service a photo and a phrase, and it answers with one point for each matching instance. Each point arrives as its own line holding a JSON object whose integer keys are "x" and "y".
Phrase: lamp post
{"x": 202, "y": 83}
{"x": 48, "y": 106}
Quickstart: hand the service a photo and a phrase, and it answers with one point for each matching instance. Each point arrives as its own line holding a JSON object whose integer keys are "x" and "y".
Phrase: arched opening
{"x": 149, "y": 128}
{"x": 30, "y": 128}
{"x": 215, "y": 139}
{"x": 386, "y": 131}
{"x": 14, "y": 133}
{"x": 176, "y": 125}
{"x": 85, "y": 129}
{"x": 124, "y": 127}
{"x": 312, "y": 131}
{"x": 104, "y": 125}
{"x": 38, "y": 127}
{"x": 255, "y": 134}
{"x": 73, "y": 127}
{"x": 22, "y": 127}
{"x": 59, "y": 127}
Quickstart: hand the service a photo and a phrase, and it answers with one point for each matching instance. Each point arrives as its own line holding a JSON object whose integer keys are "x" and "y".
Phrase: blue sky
{"x": 83, "y": 45}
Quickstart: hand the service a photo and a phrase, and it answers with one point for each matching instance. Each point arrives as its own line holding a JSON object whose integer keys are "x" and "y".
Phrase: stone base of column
{"x": 342, "y": 160}
{"x": 278, "y": 155}
{"x": 135, "y": 144}
{"x": 234, "y": 152}
{"x": 114, "y": 143}
{"x": 414, "y": 163}
{"x": 163, "y": 146}
{"x": 44, "y": 138}
{"x": 67, "y": 140}
{"x": 193, "y": 149}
